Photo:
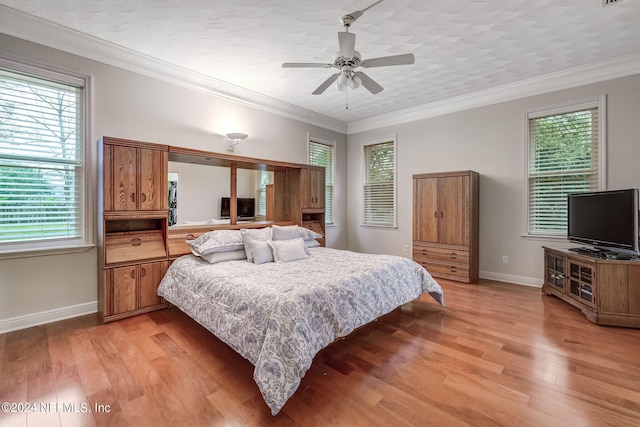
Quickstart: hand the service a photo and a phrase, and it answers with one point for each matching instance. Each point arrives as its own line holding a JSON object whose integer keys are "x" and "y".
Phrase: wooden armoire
{"x": 445, "y": 224}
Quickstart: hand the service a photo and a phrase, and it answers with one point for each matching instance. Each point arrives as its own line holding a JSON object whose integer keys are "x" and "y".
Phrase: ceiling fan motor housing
{"x": 340, "y": 61}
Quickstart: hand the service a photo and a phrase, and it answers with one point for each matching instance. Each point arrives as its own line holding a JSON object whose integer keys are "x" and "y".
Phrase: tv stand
{"x": 606, "y": 290}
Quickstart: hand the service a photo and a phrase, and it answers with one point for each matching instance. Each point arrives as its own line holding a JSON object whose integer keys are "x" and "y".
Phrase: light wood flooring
{"x": 498, "y": 354}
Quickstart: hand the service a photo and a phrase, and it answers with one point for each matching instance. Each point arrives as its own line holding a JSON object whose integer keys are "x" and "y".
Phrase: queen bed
{"x": 279, "y": 315}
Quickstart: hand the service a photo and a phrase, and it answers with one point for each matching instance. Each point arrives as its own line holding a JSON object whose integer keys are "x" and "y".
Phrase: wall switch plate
{"x": 505, "y": 259}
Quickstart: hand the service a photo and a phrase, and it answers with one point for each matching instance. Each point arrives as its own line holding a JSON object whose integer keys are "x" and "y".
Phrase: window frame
{"x": 377, "y": 141}
{"x": 332, "y": 143}
{"x": 20, "y": 249}
{"x": 598, "y": 102}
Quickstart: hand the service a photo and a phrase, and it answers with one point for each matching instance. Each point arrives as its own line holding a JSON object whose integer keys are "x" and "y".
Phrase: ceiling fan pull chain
{"x": 346, "y": 98}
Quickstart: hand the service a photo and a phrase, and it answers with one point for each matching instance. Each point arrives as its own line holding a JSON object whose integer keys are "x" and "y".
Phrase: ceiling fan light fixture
{"x": 355, "y": 82}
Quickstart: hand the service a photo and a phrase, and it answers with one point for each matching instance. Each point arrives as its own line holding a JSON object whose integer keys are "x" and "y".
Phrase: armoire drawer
{"x": 441, "y": 254}
{"x": 453, "y": 271}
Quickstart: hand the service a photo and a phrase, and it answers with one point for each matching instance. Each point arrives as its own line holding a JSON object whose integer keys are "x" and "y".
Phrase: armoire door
{"x": 427, "y": 213}
{"x": 453, "y": 197}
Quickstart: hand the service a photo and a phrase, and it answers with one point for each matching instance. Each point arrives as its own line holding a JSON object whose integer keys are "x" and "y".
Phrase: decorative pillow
{"x": 285, "y": 232}
{"x": 261, "y": 252}
{"x": 313, "y": 243}
{"x": 249, "y": 234}
{"x": 307, "y": 234}
{"x": 216, "y": 257}
{"x": 288, "y": 250}
{"x": 216, "y": 241}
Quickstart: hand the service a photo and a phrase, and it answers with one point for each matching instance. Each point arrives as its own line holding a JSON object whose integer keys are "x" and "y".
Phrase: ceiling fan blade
{"x": 306, "y": 65}
{"x": 326, "y": 84}
{"x": 347, "y": 43}
{"x": 384, "y": 61}
{"x": 368, "y": 83}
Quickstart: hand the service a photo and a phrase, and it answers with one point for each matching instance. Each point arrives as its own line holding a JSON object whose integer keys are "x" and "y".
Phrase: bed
{"x": 279, "y": 315}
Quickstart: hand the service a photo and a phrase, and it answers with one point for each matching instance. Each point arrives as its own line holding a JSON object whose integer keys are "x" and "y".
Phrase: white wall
{"x": 490, "y": 140}
{"x": 128, "y": 105}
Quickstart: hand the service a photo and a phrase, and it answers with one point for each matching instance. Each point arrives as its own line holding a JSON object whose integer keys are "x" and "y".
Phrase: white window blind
{"x": 41, "y": 159}
{"x": 563, "y": 158}
{"x": 379, "y": 184}
{"x": 324, "y": 155}
{"x": 263, "y": 181}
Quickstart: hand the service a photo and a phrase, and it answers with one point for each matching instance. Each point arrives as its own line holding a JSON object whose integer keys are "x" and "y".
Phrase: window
{"x": 379, "y": 183}
{"x": 41, "y": 160}
{"x": 565, "y": 155}
{"x": 323, "y": 154}
{"x": 263, "y": 181}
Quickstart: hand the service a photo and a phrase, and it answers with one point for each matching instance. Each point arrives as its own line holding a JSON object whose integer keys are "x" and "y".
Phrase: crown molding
{"x": 574, "y": 77}
{"x": 37, "y": 30}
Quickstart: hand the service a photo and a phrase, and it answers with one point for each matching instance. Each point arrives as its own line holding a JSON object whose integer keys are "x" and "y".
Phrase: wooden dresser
{"x": 445, "y": 224}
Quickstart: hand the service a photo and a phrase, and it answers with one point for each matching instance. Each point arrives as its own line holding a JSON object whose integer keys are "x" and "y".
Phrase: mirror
{"x": 199, "y": 190}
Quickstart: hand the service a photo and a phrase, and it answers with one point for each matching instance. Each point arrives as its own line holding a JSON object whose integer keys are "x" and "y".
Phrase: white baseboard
{"x": 518, "y": 280}
{"x": 35, "y": 319}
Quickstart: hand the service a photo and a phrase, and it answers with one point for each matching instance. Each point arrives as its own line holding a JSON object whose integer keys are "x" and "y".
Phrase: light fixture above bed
{"x": 234, "y": 139}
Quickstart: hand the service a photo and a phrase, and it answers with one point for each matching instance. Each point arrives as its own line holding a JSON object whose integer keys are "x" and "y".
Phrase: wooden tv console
{"x": 607, "y": 291}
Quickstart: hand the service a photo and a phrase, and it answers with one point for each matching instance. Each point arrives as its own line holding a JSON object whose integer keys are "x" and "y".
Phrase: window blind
{"x": 324, "y": 155}
{"x": 563, "y": 159}
{"x": 263, "y": 181}
{"x": 41, "y": 168}
{"x": 379, "y": 184}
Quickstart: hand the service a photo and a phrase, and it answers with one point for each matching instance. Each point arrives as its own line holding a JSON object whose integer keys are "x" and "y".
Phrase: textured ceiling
{"x": 461, "y": 46}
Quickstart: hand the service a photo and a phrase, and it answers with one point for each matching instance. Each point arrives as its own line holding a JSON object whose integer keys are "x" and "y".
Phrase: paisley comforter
{"x": 279, "y": 315}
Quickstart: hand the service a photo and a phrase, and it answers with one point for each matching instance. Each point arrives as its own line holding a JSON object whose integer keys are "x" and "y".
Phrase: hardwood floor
{"x": 498, "y": 354}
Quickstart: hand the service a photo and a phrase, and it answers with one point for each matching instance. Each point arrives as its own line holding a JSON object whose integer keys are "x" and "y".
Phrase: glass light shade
{"x": 340, "y": 87}
{"x": 237, "y": 136}
{"x": 343, "y": 79}
{"x": 355, "y": 82}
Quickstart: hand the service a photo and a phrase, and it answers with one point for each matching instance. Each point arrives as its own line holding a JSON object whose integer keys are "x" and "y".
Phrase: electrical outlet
{"x": 505, "y": 259}
{"x": 406, "y": 248}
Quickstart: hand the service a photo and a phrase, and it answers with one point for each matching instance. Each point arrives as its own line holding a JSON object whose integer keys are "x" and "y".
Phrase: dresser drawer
{"x": 441, "y": 254}
{"x": 134, "y": 246}
{"x": 453, "y": 271}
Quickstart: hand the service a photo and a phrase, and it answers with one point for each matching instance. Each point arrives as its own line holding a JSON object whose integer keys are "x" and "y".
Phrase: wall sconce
{"x": 234, "y": 139}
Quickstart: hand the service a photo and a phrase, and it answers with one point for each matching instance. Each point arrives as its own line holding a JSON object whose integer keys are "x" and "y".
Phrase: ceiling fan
{"x": 347, "y": 59}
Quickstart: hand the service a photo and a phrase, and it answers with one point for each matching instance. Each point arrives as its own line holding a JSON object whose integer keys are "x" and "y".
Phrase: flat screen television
{"x": 246, "y": 208}
{"x": 605, "y": 220}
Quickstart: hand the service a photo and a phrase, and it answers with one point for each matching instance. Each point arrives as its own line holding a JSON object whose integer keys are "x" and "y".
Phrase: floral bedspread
{"x": 279, "y": 315}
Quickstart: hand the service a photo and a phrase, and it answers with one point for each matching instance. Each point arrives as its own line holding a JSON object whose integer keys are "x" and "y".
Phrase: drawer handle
{"x": 424, "y": 252}
{"x": 454, "y": 255}
{"x": 133, "y": 274}
{"x": 190, "y": 237}
{"x": 143, "y": 197}
{"x": 133, "y": 197}
{"x": 136, "y": 241}
{"x": 143, "y": 272}
{"x": 454, "y": 269}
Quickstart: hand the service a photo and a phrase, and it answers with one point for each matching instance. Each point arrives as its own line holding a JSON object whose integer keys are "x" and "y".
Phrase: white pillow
{"x": 307, "y": 234}
{"x": 313, "y": 243}
{"x": 216, "y": 257}
{"x": 285, "y": 232}
{"x": 249, "y": 234}
{"x": 288, "y": 250}
{"x": 261, "y": 252}
{"x": 216, "y": 241}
